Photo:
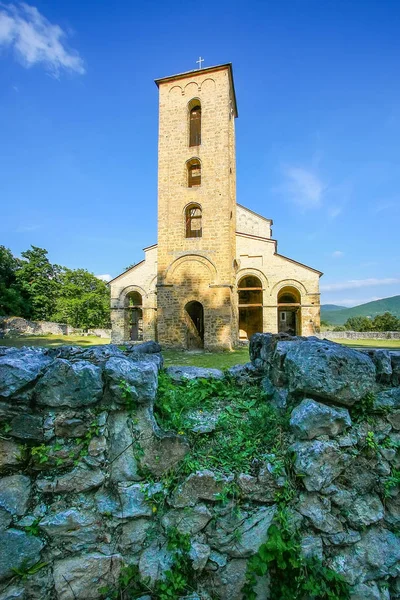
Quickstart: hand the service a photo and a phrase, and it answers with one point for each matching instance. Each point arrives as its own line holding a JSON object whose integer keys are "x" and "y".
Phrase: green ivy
{"x": 292, "y": 577}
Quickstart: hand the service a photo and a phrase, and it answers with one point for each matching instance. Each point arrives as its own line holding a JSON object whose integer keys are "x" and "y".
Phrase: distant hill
{"x": 337, "y": 315}
{"x": 331, "y": 307}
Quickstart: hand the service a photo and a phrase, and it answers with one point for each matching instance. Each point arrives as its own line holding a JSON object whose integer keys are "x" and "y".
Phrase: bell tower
{"x": 196, "y": 306}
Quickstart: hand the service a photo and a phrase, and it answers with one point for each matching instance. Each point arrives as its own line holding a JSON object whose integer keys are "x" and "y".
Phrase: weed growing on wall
{"x": 292, "y": 577}
{"x": 247, "y": 427}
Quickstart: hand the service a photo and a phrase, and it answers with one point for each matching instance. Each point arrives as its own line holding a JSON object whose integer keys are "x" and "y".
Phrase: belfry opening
{"x": 250, "y": 306}
{"x": 289, "y": 311}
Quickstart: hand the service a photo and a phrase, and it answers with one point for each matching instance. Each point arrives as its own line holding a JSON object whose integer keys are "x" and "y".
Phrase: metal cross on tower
{"x": 200, "y": 61}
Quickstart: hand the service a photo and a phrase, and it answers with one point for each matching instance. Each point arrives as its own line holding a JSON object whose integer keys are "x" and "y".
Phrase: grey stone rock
{"x": 392, "y": 512}
{"x": 202, "y": 421}
{"x": 376, "y": 555}
{"x": 242, "y": 535}
{"x": 264, "y": 487}
{"x": 140, "y": 377}
{"x": 243, "y": 374}
{"x": 154, "y": 561}
{"x": 150, "y": 347}
{"x": 394, "y": 419}
{"x": 318, "y": 510}
{"x": 383, "y": 364}
{"x": 229, "y": 581}
{"x": 10, "y": 454}
{"x": 395, "y": 359}
{"x": 388, "y": 400}
{"x": 20, "y": 369}
{"x": 318, "y": 463}
{"x": 72, "y": 524}
{"x": 153, "y": 359}
{"x": 187, "y": 520}
{"x": 129, "y": 501}
{"x": 14, "y": 592}
{"x": 123, "y": 465}
{"x": 71, "y": 424}
{"x": 22, "y": 550}
{"x": 202, "y": 485}
{"x": 217, "y": 560}
{"x": 329, "y": 371}
{"x": 199, "y": 554}
{"x": 5, "y": 518}
{"x": 135, "y": 533}
{"x": 69, "y": 384}
{"x": 366, "y": 591}
{"x": 27, "y": 427}
{"x": 345, "y": 538}
{"x": 365, "y": 510}
{"x": 162, "y": 451}
{"x": 311, "y": 547}
{"x": 79, "y": 479}
{"x": 268, "y": 387}
{"x": 97, "y": 355}
{"x": 311, "y": 419}
{"x": 14, "y": 493}
{"x": 179, "y": 374}
{"x": 80, "y": 577}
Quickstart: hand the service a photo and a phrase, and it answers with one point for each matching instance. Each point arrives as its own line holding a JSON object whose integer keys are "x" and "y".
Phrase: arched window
{"x": 193, "y": 221}
{"x": 194, "y": 172}
{"x": 250, "y": 306}
{"x": 195, "y": 123}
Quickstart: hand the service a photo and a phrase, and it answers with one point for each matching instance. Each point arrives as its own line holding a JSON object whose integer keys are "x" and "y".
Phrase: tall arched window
{"x": 195, "y": 123}
{"x": 194, "y": 172}
{"x": 193, "y": 221}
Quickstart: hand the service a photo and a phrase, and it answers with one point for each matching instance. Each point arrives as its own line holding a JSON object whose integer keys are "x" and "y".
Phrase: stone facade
{"x": 185, "y": 292}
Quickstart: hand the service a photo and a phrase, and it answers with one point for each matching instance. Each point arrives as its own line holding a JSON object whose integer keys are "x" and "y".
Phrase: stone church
{"x": 215, "y": 276}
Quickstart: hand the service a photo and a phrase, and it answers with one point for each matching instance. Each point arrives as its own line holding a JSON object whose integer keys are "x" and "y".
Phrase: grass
{"x": 215, "y": 360}
{"x": 51, "y": 341}
{"x": 384, "y": 344}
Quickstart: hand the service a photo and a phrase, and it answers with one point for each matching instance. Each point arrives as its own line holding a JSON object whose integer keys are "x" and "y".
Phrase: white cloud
{"x": 358, "y": 283}
{"x": 35, "y": 40}
{"x": 106, "y": 277}
{"x": 302, "y": 187}
{"x": 349, "y": 302}
{"x": 337, "y": 254}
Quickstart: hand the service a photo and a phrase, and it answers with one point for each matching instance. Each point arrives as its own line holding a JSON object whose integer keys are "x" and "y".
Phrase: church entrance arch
{"x": 134, "y": 315}
{"x": 289, "y": 311}
{"x": 250, "y": 306}
{"x": 194, "y": 318}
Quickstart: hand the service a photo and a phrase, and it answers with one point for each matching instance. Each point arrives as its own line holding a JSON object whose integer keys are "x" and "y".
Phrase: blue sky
{"x": 318, "y": 90}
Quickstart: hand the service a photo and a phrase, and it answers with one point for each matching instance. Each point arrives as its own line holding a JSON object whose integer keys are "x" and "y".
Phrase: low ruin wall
{"x": 359, "y": 335}
{"x": 90, "y": 483}
{"x": 11, "y": 327}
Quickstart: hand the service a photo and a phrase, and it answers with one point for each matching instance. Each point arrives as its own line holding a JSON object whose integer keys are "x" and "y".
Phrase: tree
{"x": 12, "y": 299}
{"x": 83, "y": 300}
{"x": 39, "y": 281}
{"x": 386, "y": 322}
{"x": 358, "y": 324}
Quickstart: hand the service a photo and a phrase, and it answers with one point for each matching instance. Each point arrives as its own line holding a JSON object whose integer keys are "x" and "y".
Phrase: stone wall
{"x": 359, "y": 335}
{"x": 15, "y": 326}
{"x": 83, "y": 464}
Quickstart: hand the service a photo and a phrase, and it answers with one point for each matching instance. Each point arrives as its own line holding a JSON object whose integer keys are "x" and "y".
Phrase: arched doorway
{"x": 135, "y": 316}
{"x": 194, "y": 317}
{"x": 289, "y": 311}
{"x": 250, "y": 306}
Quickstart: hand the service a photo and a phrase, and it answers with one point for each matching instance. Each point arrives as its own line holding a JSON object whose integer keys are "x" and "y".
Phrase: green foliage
{"x": 177, "y": 580}
{"x": 13, "y": 301}
{"x": 82, "y": 300}
{"x": 41, "y": 453}
{"x": 363, "y": 409}
{"x": 292, "y": 577}
{"x": 358, "y": 324}
{"x": 127, "y": 395}
{"x": 24, "y": 571}
{"x": 34, "y": 288}
{"x": 386, "y": 322}
{"x": 392, "y": 482}
{"x": 40, "y": 282}
{"x": 247, "y": 429}
{"x": 33, "y": 529}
